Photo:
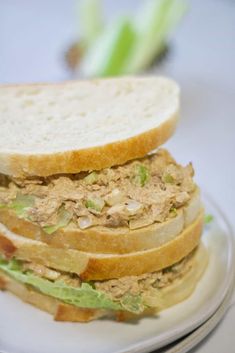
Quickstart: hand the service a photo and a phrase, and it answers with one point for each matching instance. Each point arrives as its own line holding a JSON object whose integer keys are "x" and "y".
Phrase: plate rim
{"x": 198, "y": 335}
{"x": 165, "y": 338}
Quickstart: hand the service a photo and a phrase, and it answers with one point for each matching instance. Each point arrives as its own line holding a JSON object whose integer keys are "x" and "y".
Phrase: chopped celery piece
{"x": 173, "y": 211}
{"x": 142, "y": 175}
{"x": 91, "y": 178}
{"x": 108, "y": 55}
{"x": 133, "y": 303}
{"x": 95, "y": 203}
{"x": 64, "y": 217}
{"x": 167, "y": 178}
{"x": 21, "y": 204}
{"x": 208, "y": 218}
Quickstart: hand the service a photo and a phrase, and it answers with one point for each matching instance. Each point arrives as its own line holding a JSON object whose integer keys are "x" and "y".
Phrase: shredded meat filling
{"x": 117, "y": 288}
{"x": 134, "y": 195}
{"x": 136, "y": 285}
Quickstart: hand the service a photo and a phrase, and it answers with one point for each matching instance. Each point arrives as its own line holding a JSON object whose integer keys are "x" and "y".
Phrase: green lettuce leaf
{"x": 84, "y": 297}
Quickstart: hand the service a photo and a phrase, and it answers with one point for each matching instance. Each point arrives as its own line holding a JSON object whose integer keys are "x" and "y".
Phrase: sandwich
{"x": 96, "y": 219}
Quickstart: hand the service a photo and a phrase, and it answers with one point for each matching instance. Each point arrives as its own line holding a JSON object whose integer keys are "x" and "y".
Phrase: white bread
{"x": 178, "y": 291}
{"x": 107, "y": 240}
{"x": 90, "y": 266}
{"x": 83, "y": 125}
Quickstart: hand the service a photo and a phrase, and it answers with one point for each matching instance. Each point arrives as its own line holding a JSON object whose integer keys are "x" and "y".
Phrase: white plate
{"x": 24, "y": 329}
{"x": 189, "y": 341}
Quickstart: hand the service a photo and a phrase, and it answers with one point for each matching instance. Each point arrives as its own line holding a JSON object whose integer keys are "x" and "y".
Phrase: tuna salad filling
{"x": 136, "y": 194}
{"x": 131, "y": 293}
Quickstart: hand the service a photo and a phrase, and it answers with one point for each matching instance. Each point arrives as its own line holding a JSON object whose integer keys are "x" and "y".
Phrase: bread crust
{"x": 146, "y": 261}
{"x": 178, "y": 291}
{"x": 95, "y": 158}
{"x": 7, "y": 247}
{"x": 107, "y": 240}
{"x": 102, "y": 266}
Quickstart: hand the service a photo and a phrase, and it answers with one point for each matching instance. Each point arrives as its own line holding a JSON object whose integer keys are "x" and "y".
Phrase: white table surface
{"x": 34, "y": 34}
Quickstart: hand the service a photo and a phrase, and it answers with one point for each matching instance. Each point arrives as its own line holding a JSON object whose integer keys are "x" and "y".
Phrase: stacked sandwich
{"x": 94, "y": 220}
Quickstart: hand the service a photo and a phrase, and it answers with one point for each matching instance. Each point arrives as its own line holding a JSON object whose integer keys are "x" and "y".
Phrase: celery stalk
{"x": 90, "y": 20}
{"x": 153, "y": 24}
{"x": 108, "y": 54}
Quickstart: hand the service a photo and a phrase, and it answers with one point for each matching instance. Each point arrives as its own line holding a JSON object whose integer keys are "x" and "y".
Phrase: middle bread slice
{"x": 93, "y": 266}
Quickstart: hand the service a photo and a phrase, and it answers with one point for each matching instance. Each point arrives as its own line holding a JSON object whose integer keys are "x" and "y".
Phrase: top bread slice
{"x": 83, "y": 125}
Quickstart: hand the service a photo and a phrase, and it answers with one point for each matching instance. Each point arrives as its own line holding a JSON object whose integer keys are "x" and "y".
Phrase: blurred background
{"x": 191, "y": 41}
{"x": 115, "y": 37}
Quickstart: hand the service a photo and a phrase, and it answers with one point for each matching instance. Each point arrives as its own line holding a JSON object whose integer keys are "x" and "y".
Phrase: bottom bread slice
{"x": 170, "y": 295}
